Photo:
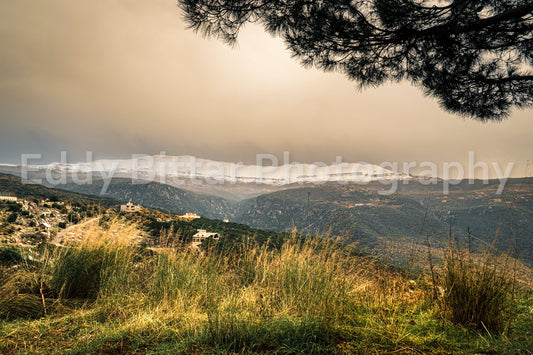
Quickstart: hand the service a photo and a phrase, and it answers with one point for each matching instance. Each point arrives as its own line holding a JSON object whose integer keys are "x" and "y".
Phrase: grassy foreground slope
{"x": 107, "y": 295}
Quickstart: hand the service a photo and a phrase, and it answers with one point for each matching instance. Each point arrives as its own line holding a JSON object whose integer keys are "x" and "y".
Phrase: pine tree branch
{"x": 509, "y": 79}
{"x": 515, "y": 13}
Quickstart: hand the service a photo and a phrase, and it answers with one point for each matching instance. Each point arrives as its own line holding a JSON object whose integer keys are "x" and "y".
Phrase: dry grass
{"x": 102, "y": 294}
{"x": 477, "y": 288}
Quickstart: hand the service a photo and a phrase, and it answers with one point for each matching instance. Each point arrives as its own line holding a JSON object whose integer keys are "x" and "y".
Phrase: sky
{"x": 122, "y": 77}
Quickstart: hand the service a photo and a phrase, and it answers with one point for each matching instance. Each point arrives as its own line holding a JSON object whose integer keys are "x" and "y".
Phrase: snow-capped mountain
{"x": 188, "y": 169}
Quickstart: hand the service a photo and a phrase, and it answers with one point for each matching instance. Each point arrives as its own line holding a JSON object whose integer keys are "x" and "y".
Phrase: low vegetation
{"x": 104, "y": 293}
{"x": 477, "y": 292}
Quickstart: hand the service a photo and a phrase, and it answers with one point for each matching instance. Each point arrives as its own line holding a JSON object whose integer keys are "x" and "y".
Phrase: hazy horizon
{"x": 126, "y": 77}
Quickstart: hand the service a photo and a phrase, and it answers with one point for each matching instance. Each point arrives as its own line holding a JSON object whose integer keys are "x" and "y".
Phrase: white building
{"x": 8, "y": 198}
{"x": 202, "y": 235}
{"x": 190, "y": 216}
{"x": 130, "y": 207}
{"x": 44, "y": 226}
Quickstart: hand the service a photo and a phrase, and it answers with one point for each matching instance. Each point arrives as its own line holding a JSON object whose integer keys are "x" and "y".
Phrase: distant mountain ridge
{"x": 173, "y": 169}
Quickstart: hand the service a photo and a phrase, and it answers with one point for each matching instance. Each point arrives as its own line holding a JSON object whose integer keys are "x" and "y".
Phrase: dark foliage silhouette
{"x": 475, "y": 57}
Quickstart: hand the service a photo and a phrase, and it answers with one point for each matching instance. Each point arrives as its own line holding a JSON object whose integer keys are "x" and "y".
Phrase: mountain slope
{"x": 156, "y": 195}
{"x": 359, "y": 214}
{"x": 349, "y": 212}
{"x": 10, "y": 184}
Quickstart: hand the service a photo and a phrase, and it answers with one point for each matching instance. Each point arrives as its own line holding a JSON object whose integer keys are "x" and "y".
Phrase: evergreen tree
{"x": 475, "y": 57}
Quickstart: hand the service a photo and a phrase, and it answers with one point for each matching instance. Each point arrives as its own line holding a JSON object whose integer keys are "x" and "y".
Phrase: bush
{"x": 12, "y": 217}
{"x": 14, "y": 207}
{"x": 73, "y": 218}
{"x": 476, "y": 292}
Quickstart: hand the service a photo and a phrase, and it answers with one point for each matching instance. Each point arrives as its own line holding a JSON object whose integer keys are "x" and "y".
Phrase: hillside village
{"x": 33, "y": 221}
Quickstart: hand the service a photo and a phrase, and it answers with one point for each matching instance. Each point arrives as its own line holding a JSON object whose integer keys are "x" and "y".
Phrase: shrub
{"x": 476, "y": 290}
{"x": 14, "y": 207}
{"x": 73, "y": 218}
{"x": 12, "y": 217}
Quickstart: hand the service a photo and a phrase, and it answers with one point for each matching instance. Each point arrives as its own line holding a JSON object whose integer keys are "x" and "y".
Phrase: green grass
{"x": 477, "y": 292}
{"x": 105, "y": 295}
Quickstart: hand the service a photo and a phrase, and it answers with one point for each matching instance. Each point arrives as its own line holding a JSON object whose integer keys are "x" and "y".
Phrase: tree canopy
{"x": 475, "y": 57}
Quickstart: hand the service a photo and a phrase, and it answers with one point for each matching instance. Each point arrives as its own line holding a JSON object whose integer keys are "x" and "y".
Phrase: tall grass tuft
{"x": 78, "y": 269}
{"x": 476, "y": 290}
{"x": 19, "y": 295}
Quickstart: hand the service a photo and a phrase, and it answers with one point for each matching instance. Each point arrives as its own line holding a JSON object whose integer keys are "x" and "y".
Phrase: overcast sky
{"x": 121, "y": 77}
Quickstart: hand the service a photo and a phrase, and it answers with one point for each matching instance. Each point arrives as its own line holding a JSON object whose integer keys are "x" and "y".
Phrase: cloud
{"x": 125, "y": 76}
